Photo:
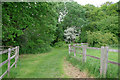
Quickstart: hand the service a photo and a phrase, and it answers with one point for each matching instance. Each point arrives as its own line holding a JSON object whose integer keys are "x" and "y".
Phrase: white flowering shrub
{"x": 70, "y": 34}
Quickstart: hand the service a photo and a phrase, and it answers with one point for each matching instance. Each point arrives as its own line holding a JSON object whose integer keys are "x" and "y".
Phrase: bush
{"x": 33, "y": 29}
{"x": 60, "y": 44}
{"x": 99, "y": 39}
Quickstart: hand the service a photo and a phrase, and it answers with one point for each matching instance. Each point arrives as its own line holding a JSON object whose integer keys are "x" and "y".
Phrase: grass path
{"x": 48, "y": 65}
{"x": 51, "y": 65}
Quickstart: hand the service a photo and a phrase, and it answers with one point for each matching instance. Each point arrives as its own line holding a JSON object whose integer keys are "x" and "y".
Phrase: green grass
{"x": 112, "y": 56}
{"x": 93, "y": 65}
{"x": 46, "y": 65}
{"x": 50, "y": 65}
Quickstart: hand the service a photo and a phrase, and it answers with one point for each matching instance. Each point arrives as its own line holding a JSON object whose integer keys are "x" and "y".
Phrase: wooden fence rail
{"x": 16, "y": 55}
{"x": 103, "y": 59}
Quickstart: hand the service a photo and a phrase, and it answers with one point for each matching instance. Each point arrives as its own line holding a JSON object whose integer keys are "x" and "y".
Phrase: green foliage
{"x": 61, "y": 44}
{"x": 75, "y": 15}
{"x": 99, "y": 39}
{"x": 103, "y": 19}
{"x": 109, "y": 8}
{"x": 109, "y": 24}
{"x": 30, "y": 25}
{"x": 77, "y": 39}
{"x": 35, "y": 27}
{"x": 59, "y": 34}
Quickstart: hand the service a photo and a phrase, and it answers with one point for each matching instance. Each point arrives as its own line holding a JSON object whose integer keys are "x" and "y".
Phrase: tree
{"x": 75, "y": 15}
{"x": 109, "y": 24}
{"x": 99, "y": 39}
{"x": 32, "y": 26}
{"x": 104, "y": 19}
{"x": 70, "y": 34}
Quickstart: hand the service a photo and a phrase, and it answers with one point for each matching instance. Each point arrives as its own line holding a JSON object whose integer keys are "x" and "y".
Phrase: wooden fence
{"x": 16, "y": 55}
{"x": 103, "y": 59}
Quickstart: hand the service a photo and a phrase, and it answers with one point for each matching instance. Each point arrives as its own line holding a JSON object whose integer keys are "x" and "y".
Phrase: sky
{"x": 96, "y": 3}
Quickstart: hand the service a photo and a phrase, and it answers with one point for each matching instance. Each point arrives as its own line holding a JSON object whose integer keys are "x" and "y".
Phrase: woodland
{"x": 39, "y": 26}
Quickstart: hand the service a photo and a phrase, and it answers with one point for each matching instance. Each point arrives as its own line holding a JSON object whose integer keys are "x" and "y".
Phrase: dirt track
{"x": 74, "y": 72}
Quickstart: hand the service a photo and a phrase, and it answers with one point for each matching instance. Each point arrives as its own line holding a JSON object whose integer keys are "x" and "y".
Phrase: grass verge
{"x": 46, "y": 65}
{"x": 92, "y": 66}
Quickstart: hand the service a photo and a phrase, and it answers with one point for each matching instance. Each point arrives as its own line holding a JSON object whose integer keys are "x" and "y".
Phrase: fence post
{"x": 74, "y": 50}
{"x": 106, "y": 60}
{"x": 84, "y": 52}
{"x": 16, "y": 53}
{"x": 103, "y": 60}
{"x": 69, "y": 49}
{"x": 9, "y": 52}
{"x": 81, "y": 44}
